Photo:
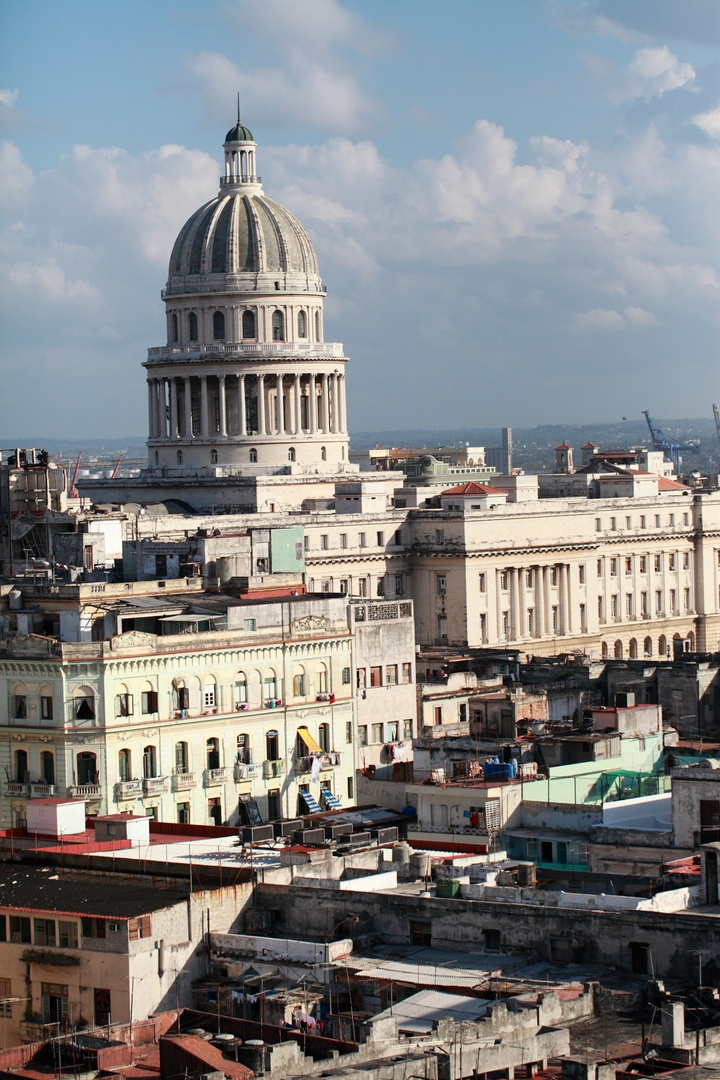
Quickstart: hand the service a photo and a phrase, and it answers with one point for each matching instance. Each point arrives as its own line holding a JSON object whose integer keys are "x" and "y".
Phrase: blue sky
{"x": 514, "y": 202}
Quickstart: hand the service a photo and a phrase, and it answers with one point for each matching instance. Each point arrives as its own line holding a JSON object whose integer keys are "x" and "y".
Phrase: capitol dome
{"x": 241, "y": 233}
{"x": 246, "y": 382}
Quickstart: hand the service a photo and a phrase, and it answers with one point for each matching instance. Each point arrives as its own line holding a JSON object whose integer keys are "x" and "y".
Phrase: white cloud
{"x": 48, "y": 280}
{"x": 16, "y": 179}
{"x": 600, "y": 319}
{"x": 652, "y": 72}
{"x": 8, "y": 98}
{"x": 709, "y": 122}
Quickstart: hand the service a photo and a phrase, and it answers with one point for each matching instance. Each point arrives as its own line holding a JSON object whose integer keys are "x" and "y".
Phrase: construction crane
{"x": 716, "y": 414}
{"x": 117, "y": 466}
{"x": 661, "y": 441}
{"x": 73, "y": 487}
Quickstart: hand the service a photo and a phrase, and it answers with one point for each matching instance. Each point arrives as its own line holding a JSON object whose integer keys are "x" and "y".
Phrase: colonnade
{"x": 273, "y": 404}
{"x": 543, "y": 594}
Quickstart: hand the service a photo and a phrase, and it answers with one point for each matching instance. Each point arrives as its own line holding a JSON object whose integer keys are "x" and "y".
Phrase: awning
{"x": 309, "y": 741}
{"x": 311, "y": 802}
{"x": 331, "y": 800}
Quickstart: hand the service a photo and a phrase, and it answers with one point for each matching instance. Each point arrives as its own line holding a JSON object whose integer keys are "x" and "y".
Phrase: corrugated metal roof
{"x": 419, "y": 1012}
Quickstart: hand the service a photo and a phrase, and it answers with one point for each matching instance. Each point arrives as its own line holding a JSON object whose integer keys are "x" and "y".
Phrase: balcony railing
{"x": 182, "y": 781}
{"x": 245, "y": 771}
{"x": 215, "y": 776}
{"x": 154, "y": 785}
{"x": 17, "y": 791}
{"x": 273, "y": 768}
{"x": 42, "y": 791}
{"x": 128, "y": 789}
{"x": 85, "y": 791}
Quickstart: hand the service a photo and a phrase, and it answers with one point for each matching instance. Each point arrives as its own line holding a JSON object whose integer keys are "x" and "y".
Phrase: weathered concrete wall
{"x": 594, "y": 936}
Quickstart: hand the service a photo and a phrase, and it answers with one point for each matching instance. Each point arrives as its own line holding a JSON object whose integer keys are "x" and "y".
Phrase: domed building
{"x": 246, "y": 383}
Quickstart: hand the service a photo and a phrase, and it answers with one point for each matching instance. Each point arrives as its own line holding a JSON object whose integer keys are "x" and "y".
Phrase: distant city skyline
{"x": 514, "y": 204}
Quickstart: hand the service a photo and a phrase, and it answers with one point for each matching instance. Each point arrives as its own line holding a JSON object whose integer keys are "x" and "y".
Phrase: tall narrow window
{"x": 317, "y": 325}
{"x": 192, "y": 326}
{"x": 278, "y": 326}
{"x": 174, "y": 328}
{"x": 248, "y": 324}
{"x": 302, "y": 324}
{"x": 218, "y": 326}
{"x": 253, "y": 455}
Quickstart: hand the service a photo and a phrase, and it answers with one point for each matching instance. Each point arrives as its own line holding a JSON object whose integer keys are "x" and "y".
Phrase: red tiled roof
{"x": 472, "y": 487}
{"x": 563, "y": 446}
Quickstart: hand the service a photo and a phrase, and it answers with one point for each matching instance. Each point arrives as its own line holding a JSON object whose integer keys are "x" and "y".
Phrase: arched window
{"x": 323, "y": 453}
{"x": 291, "y": 453}
{"x": 149, "y": 762}
{"x": 302, "y": 324}
{"x": 182, "y": 758}
{"x": 157, "y": 458}
{"x": 19, "y": 703}
{"x": 270, "y": 687}
{"x": 324, "y": 737}
{"x": 213, "y": 457}
{"x": 248, "y": 324}
{"x": 253, "y": 455}
{"x": 192, "y": 326}
{"x": 299, "y": 683}
{"x": 21, "y": 767}
{"x": 662, "y": 646}
{"x": 243, "y": 754}
{"x": 633, "y": 648}
{"x": 321, "y": 680}
{"x": 87, "y": 768}
{"x": 272, "y": 746}
{"x": 278, "y": 326}
{"x": 125, "y": 766}
{"x": 618, "y": 649}
{"x": 84, "y": 704}
{"x": 317, "y": 325}
{"x": 218, "y": 326}
{"x": 604, "y": 650}
{"x": 174, "y": 328}
{"x": 47, "y": 767}
{"x": 647, "y": 646}
{"x": 690, "y": 642}
{"x": 179, "y": 457}
{"x": 240, "y": 689}
{"x": 209, "y": 694}
{"x": 213, "y": 753}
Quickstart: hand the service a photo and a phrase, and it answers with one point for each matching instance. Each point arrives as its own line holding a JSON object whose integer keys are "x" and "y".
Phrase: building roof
{"x": 473, "y": 487}
{"x": 49, "y": 888}
{"x": 420, "y": 1012}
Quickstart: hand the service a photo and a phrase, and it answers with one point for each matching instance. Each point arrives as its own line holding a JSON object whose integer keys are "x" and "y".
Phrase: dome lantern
{"x": 240, "y": 157}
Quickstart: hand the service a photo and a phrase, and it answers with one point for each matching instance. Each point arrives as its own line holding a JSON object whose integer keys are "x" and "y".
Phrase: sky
{"x": 515, "y": 203}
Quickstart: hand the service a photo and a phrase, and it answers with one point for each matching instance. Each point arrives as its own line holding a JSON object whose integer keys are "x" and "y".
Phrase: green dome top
{"x": 239, "y": 134}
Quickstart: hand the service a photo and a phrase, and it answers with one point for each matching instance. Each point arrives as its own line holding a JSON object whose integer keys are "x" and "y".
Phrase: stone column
{"x": 312, "y": 405}
{"x": 297, "y": 427}
{"x": 173, "y": 409}
{"x": 547, "y": 584}
{"x": 280, "y": 405}
{"x": 203, "y": 405}
{"x": 221, "y": 405}
{"x": 188, "y": 407}
{"x": 498, "y": 605}
{"x": 332, "y": 403}
{"x": 540, "y": 601}
{"x": 514, "y": 604}
{"x": 242, "y": 425}
{"x": 521, "y": 631}
{"x": 325, "y": 423}
{"x": 164, "y": 418}
{"x": 569, "y": 598}
{"x": 261, "y": 404}
{"x": 151, "y": 408}
{"x": 342, "y": 401}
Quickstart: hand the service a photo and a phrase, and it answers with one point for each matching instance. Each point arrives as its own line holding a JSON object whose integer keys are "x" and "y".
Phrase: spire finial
{"x": 238, "y": 107}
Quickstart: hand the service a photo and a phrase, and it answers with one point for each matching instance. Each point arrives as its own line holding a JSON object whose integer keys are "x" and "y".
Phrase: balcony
{"x": 128, "y": 789}
{"x": 215, "y": 776}
{"x": 182, "y": 781}
{"x": 328, "y": 760}
{"x": 272, "y": 769}
{"x": 85, "y": 791}
{"x": 17, "y": 791}
{"x": 245, "y": 771}
{"x": 154, "y": 785}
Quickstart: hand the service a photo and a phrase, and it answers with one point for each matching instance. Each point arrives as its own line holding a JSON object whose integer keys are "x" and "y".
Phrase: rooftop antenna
{"x": 238, "y": 106}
